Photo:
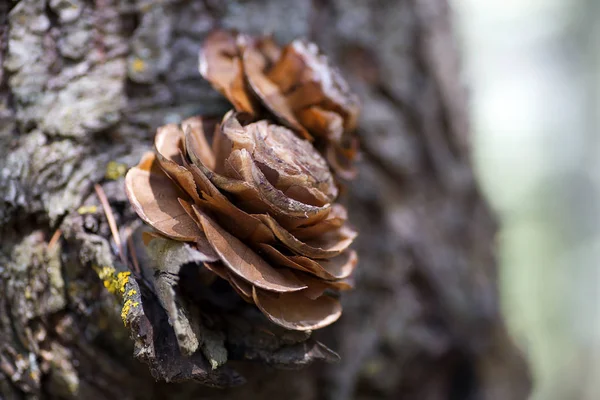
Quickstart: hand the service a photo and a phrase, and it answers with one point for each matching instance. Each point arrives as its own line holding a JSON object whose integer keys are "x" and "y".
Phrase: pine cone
{"x": 259, "y": 205}
{"x": 296, "y": 85}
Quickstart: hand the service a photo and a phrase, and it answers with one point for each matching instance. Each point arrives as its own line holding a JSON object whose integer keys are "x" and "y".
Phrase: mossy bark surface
{"x": 83, "y": 86}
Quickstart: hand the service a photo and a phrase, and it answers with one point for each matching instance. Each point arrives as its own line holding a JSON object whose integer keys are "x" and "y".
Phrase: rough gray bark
{"x": 84, "y": 84}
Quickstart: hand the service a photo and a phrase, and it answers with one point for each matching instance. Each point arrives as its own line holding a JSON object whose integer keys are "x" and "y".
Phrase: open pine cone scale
{"x": 259, "y": 205}
{"x": 296, "y": 85}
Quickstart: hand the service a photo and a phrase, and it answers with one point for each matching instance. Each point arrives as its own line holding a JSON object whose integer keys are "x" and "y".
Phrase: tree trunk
{"x": 84, "y": 85}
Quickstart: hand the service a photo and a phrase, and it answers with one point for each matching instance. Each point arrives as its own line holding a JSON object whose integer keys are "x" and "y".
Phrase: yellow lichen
{"x": 116, "y": 283}
{"x": 104, "y": 272}
{"x": 127, "y": 306}
{"x": 138, "y": 65}
{"x": 122, "y": 279}
{"x": 115, "y": 170}
{"x": 87, "y": 209}
{"x": 113, "y": 282}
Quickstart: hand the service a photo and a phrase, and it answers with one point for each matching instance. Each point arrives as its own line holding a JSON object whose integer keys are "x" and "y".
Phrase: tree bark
{"x": 84, "y": 85}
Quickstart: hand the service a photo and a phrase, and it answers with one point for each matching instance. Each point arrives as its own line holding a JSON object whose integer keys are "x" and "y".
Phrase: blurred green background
{"x": 533, "y": 69}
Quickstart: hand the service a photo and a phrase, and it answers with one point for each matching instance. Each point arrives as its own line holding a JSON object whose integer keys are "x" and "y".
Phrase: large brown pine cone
{"x": 296, "y": 85}
{"x": 259, "y": 205}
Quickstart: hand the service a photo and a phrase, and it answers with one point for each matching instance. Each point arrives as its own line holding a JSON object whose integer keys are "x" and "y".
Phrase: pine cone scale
{"x": 244, "y": 262}
{"x": 162, "y": 211}
{"x": 296, "y": 311}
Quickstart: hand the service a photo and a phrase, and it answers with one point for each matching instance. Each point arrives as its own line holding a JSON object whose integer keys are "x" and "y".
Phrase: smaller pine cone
{"x": 296, "y": 85}
{"x": 259, "y": 204}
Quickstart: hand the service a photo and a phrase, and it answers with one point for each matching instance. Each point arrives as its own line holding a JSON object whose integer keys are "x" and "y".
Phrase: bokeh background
{"x": 533, "y": 69}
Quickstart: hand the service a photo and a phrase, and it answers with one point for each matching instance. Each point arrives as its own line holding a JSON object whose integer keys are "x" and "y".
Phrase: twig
{"x": 54, "y": 239}
{"x": 111, "y": 220}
